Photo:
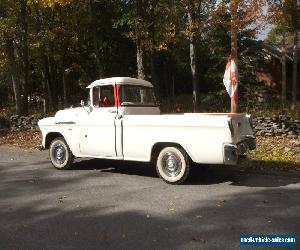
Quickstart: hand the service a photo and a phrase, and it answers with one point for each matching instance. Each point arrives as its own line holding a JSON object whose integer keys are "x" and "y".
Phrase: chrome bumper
{"x": 231, "y": 151}
{"x": 230, "y": 154}
{"x": 40, "y": 147}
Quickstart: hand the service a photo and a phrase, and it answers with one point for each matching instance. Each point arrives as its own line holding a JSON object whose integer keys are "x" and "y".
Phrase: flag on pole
{"x": 229, "y": 79}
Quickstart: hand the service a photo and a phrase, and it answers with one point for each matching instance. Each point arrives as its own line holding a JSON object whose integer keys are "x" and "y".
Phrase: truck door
{"x": 97, "y": 133}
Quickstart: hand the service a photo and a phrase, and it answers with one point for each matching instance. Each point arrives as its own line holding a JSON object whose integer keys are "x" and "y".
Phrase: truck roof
{"x": 121, "y": 81}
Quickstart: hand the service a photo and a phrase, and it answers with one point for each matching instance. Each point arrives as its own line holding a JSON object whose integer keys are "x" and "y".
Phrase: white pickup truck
{"x": 122, "y": 121}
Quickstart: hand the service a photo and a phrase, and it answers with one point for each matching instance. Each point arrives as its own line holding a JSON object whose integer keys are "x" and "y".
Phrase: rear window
{"x": 137, "y": 96}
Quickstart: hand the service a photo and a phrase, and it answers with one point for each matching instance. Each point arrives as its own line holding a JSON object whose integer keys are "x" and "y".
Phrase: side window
{"x": 103, "y": 96}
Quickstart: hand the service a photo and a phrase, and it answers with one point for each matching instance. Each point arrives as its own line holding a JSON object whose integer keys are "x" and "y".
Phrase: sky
{"x": 262, "y": 35}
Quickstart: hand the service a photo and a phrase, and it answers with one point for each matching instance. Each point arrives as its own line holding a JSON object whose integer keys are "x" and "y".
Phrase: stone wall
{"x": 281, "y": 125}
{"x": 19, "y": 123}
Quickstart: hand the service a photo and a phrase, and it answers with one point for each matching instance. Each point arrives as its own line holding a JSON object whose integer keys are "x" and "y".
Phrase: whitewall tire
{"x": 173, "y": 165}
{"x": 60, "y": 154}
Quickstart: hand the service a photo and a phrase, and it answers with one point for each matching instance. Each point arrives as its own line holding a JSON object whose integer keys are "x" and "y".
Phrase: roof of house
{"x": 275, "y": 52}
{"x": 121, "y": 81}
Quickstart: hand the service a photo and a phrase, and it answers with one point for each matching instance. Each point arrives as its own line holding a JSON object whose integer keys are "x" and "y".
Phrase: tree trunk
{"x": 295, "y": 71}
{"x": 13, "y": 73}
{"x": 56, "y": 90}
{"x": 153, "y": 57}
{"x": 139, "y": 60}
{"x": 139, "y": 46}
{"x": 65, "y": 101}
{"x": 283, "y": 63}
{"x": 154, "y": 77}
{"x": 48, "y": 103}
{"x": 92, "y": 22}
{"x": 193, "y": 55}
{"x": 194, "y": 74}
{"x": 47, "y": 81}
{"x": 233, "y": 35}
{"x": 24, "y": 36}
{"x": 45, "y": 96}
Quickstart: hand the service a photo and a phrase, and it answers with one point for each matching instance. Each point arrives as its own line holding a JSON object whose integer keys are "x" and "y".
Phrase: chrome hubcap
{"x": 59, "y": 153}
{"x": 171, "y": 164}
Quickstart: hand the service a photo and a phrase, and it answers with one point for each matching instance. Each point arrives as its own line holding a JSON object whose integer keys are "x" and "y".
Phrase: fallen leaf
{"x": 61, "y": 198}
{"x": 104, "y": 236}
{"x": 197, "y": 239}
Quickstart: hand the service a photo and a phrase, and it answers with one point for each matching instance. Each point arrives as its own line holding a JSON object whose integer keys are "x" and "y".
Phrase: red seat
{"x": 106, "y": 102}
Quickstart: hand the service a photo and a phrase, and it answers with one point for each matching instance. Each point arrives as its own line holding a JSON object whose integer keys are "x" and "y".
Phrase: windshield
{"x": 137, "y": 96}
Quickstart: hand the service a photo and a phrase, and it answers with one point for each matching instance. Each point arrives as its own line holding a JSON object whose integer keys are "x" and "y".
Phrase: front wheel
{"x": 173, "y": 165}
{"x": 60, "y": 154}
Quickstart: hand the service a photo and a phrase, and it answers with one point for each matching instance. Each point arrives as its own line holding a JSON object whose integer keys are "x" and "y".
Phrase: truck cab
{"x": 124, "y": 96}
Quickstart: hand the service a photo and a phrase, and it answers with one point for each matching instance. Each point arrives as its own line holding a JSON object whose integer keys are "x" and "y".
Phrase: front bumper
{"x": 40, "y": 146}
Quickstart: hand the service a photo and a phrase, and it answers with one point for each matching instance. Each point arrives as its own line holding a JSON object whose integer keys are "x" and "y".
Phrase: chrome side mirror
{"x": 88, "y": 109}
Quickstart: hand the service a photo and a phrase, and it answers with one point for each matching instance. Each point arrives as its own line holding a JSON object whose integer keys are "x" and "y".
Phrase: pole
{"x": 234, "y": 18}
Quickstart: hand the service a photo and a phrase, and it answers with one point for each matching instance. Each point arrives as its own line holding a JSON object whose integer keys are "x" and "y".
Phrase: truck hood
{"x": 62, "y": 116}
{"x": 68, "y": 115}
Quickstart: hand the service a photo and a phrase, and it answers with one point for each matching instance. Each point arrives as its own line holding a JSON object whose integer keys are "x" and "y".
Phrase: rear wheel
{"x": 173, "y": 165}
{"x": 60, "y": 154}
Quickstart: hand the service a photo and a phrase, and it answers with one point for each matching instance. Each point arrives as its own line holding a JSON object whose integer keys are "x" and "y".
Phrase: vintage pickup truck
{"x": 122, "y": 121}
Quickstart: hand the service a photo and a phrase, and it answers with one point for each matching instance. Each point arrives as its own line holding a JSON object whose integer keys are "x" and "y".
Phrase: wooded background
{"x": 50, "y": 50}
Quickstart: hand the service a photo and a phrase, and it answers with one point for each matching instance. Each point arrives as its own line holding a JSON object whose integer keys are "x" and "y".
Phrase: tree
{"x": 150, "y": 24}
{"x": 9, "y": 37}
{"x": 244, "y": 15}
{"x": 293, "y": 20}
{"x": 285, "y": 14}
{"x": 197, "y": 18}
